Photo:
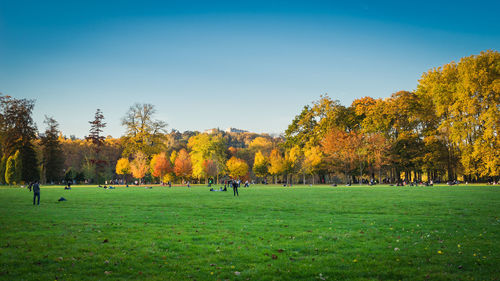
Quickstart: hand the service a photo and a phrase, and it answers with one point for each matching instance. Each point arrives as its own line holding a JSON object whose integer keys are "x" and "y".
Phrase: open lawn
{"x": 268, "y": 233}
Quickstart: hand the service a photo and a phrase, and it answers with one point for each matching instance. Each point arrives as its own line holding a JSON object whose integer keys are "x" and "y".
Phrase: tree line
{"x": 446, "y": 129}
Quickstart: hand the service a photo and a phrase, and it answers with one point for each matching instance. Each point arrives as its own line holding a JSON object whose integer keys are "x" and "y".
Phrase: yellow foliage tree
{"x": 122, "y": 167}
{"x": 237, "y": 167}
{"x": 312, "y": 160}
{"x": 260, "y": 164}
{"x": 261, "y": 144}
{"x": 139, "y": 166}
{"x": 293, "y": 159}
{"x": 277, "y": 164}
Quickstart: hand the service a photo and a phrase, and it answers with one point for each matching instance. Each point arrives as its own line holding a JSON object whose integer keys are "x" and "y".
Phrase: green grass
{"x": 268, "y": 233}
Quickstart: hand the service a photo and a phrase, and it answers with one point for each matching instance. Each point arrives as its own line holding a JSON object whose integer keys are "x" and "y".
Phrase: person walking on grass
{"x": 36, "y": 192}
{"x": 235, "y": 188}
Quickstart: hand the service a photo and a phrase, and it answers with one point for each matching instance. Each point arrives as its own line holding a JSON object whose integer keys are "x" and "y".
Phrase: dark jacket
{"x": 36, "y": 188}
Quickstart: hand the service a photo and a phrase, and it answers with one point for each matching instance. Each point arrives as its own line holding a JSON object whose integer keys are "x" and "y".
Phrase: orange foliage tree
{"x": 183, "y": 167}
{"x": 344, "y": 150}
{"x": 160, "y": 165}
{"x": 139, "y": 166}
{"x": 210, "y": 168}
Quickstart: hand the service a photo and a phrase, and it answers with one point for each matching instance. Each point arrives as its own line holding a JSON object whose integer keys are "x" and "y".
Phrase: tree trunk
{"x": 360, "y": 174}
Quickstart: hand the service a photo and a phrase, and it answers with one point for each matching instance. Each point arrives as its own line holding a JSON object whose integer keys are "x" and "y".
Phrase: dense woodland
{"x": 446, "y": 129}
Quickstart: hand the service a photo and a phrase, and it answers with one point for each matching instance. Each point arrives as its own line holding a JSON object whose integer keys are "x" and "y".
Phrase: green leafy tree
{"x": 96, "y": 139}
{"x": 53, "y": 157}
{"x": 3, "y": 164}
{"x": 89, "y": 170}
{"x": 206, "y": 147}
{"x": 13, "y": 169}
{"x": 17, "y": 132}
{"x": 18, "y": 164}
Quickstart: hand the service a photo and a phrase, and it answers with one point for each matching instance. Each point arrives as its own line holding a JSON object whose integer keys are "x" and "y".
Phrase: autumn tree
{"x": 143, "y": 132}
{"x": 17, "y": 133}
{"x": 302, "y": 128}
{"x": 173, "y": 156}
{"x": 3, "y": 166}
{"x": 139, "y": 166}
{"x": 122, "y": 167}
{"x": 264, "y": 145}
{"x": 276, "y": 164}
{"x": 341, "y": 149}
{"x": 206, "y": 147}
{"x": 183, "y": 167}
{"x": 465, "y": 98}
{"x": 294, "y": 160}
{"x": 211, "y": 168}
{"x": 237, "y": 167}
{"x": 160, "y": 165}
{"x": 377, "y": 153}
{"x": 14, "y": 169}
{"x": 10, "y": 171}
{"x": 313, "y": 158}
{"x": 260, "y": 165}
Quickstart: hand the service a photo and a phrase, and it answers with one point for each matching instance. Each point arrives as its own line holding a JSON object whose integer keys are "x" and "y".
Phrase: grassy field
{"x": 268, "y": 233}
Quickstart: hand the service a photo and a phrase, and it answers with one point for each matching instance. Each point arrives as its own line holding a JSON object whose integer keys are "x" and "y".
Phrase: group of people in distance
{"x": 235, "y": 184}
{"x": 35, "y": 187}
{"x": 220, "y": 189}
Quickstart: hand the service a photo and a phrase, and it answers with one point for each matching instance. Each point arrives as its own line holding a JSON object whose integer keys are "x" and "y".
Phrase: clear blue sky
{"x": 246, "y": 64}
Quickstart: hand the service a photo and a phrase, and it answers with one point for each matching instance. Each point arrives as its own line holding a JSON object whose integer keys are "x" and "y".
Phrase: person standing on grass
{"x": 235, "y": 189}
{"x": 36, "y": 192}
